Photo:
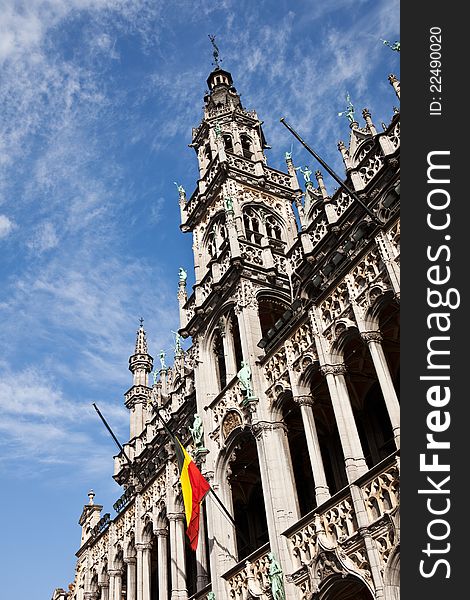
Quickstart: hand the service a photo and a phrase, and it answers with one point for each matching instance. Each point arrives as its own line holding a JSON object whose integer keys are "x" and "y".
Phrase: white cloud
{"x": 6, "y": 226}
{"x": 45, "y": 238}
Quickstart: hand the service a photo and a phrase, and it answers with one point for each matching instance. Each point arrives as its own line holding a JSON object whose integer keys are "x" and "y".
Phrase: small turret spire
{"x": 141, "y": 340}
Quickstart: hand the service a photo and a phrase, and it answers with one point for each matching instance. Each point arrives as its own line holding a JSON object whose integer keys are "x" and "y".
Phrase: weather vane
{"x": 216, "y": 52}
{"x": 395, "y": 46}
{"x": 141, "y": 321}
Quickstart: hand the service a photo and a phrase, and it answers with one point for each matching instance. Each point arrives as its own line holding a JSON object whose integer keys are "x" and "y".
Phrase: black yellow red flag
{"x": 194, "y": 487}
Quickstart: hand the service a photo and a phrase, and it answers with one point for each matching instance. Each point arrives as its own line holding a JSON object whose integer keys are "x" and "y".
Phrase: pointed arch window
{"x": 216, "y": 237}
{"x": 259, "y": 224}
{"x": 247, "y": 146}
{"x": 253, "y": 222}
{"x": 228, "y": 142}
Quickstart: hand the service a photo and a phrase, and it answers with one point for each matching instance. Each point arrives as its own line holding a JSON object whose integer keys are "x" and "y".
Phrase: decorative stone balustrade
{"x": 240, "y": 163}
{"x": 250, "y": 577}
{"x": 251, "y": 253}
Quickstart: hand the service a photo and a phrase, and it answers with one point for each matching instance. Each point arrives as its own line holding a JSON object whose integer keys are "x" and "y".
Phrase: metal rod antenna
{"x": 331, "y": 172}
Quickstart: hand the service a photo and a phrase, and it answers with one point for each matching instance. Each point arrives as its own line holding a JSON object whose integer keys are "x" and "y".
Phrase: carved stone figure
{"x": 162, "y": 359}
{"x": 275, "y": 578}
{"x": 197, "y": 431}
{"x": 349, "y": 111}
{"x": 244, "y": 376}
{"x": 182, "y": 275}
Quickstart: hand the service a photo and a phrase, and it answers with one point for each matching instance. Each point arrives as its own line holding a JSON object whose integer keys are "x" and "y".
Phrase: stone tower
{"x": 243, "y": 226}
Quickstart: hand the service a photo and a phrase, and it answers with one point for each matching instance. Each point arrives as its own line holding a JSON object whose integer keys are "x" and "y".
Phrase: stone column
{"x": 104, "y": 590}
{"x": 374, "y": 341}
{"x": 279, "y": 492}
{"x": 202, "y": 577}
{"x": 162, "y": 535}
{"x": 229, "y": 352}
{"x": 322, "y": 492}
{"x": 139, "y": 583}
{"x": 178, "y": 559}
{"x": 146, "y": 570}
{"x": 131, "y": 578}
{"x": 350, "y": 442}
{"x": 370, "y": 544}
{"x": 115, "y": 584}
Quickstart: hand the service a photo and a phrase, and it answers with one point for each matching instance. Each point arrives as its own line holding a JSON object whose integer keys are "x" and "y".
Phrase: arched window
{"x": 252, "y": 222}
{"x": 270, "y": 311}
{"x": 301, "y": 466}
{"x": 370, "y": 413}
{"x": 247, "y": 497}
{"x": 216, "y": 236}
{"x": 260, "y": 223}
{"x": 219, "y": 353}
{"x": 246, "y": 146}
{"x": 273, "y": 228}
{"x": 228, "y": 142}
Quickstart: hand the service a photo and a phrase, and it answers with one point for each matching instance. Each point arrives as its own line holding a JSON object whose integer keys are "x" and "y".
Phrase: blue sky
{"x": 97, "y": 102}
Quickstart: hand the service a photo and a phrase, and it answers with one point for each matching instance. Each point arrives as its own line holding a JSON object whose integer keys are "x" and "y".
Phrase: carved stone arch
{"x": 215, "y": 233}
{"x": 392, "y": 575}
{"x": 379, "y": 297}
{"x": 118, "y": 557}
{"x": 94, "y": 581}
{"x": 130, "y": 546}
{"x": 161, "y": 514}
{"x": 276, "y": 408}
{"x": 343, "y": 330}
{"x": 308, "y": 366}
{"x": 147, "y": 531}
{"x": 333, "y": 575}
{"x": 219, "y": 315}
{"x": 363, "y": 148}
{"x": 232, "y": 423}
{"x": 272, "y": 305}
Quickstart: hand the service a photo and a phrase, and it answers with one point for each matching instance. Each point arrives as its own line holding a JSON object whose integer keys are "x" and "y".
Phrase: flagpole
{"x": 211, "y": 490}
{"x": 118, "y": 444}
{"x": 331, "y": 172}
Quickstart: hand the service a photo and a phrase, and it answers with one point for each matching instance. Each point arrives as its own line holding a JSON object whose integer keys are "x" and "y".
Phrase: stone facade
{"x": 302, "y": 286}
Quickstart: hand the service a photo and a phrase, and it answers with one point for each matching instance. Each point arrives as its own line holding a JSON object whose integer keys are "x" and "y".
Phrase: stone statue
{"x": 275, "y": 578}
{"x": 349, "y": 111}
{"x": 228, "y": 203}
{"x": 182, "y": 275}
{"x": 177, "y": 342}
{"x": 218, "y": 130}
{"x": 197, "y": 431}
{"x": 306, "y": 172}
{"x": 181, "y": 190}
{"x": 288, "y": 155}
{"x": 155, "y": 376}
{"x": 395, "y": 46}
{"x": 211, "y": 596}
{"x": 244, "y": 376}
{"x": 162, "y": 359}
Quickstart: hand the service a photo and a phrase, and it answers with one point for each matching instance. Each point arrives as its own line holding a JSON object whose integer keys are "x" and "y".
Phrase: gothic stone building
{"x": 302, "y": 287}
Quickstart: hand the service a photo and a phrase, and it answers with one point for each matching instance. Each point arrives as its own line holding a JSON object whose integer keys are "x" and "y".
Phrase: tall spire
{"x": 140, "y": 363}
{"x": 141, "y": 341}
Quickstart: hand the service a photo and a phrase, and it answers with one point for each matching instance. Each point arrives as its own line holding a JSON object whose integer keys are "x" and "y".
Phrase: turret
{"x": 140, "y": 365}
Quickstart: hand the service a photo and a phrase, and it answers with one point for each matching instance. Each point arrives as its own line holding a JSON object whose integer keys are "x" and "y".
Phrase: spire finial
{"x": 215, "y": 52}
{"x": 91, "y": 495}
{"x": 141, "y": 321}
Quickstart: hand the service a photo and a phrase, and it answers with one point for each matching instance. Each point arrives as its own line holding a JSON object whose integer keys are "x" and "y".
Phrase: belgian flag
{"x": 194, "y": 487}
